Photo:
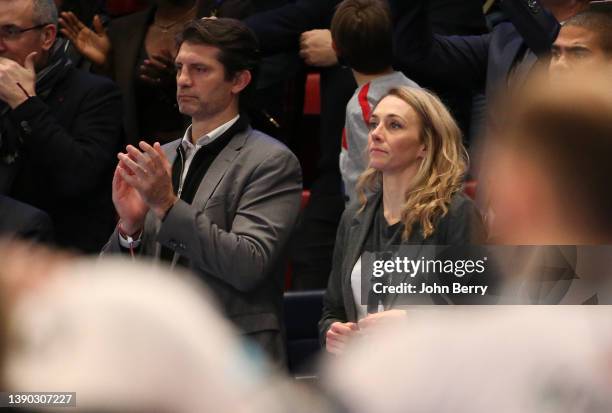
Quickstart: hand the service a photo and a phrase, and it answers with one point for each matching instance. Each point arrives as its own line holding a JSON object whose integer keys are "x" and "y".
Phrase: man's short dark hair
{"x": 598, "y": 22}
{"x": 362, "y": 31}
{"x": 237, "y": 44}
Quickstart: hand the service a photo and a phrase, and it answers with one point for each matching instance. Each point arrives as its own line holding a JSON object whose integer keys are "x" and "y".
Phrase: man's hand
{"x": 339, "y": 335}
{"x": 149, "y": 173}
{"x": 17, "y": 82}
{"x": 316, "y": 48}
{"x": 128, "y": 203}
{"x": 376, "y": 319}
{"x": 95, "y": 46}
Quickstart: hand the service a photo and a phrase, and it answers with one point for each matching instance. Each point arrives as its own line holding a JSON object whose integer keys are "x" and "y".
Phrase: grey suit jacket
{"x": 234, "y": 232}
{"x": 461, "y": 225}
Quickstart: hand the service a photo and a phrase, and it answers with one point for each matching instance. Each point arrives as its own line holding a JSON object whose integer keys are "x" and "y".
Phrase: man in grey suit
{"x": 222, "y": 200}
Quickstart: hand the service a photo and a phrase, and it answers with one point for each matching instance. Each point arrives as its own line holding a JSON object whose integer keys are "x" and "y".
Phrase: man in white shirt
{"x": 223, "y": 200}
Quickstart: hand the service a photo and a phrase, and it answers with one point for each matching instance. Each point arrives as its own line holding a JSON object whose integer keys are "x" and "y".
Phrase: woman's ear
{"x": 422, "y": 153}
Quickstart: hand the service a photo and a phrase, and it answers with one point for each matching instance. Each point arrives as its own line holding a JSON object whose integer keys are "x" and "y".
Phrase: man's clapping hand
{"x": 143, "y": 181}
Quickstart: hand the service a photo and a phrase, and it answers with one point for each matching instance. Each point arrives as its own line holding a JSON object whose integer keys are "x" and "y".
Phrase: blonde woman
{"x": 411, "y": 193}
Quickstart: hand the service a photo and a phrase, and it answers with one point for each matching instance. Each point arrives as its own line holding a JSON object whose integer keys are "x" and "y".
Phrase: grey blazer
{"x": 235, "y": 231}
{"x": 461, "y": 225}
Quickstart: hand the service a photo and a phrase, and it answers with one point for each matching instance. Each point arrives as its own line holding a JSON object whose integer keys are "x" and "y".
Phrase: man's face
{"x": 202, "y": 90}
{"x": 576, "y": 48}
{"x": 16, "y": 15}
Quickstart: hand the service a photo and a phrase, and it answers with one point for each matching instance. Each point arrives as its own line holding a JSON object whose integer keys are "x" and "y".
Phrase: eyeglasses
{"x": 12, "y": 32}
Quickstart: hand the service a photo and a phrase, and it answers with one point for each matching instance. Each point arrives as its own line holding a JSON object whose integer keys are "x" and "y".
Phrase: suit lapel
{"x": 358, "y": 231}
{"x": 219, "y": 167}
{"x": 510, "y": 54}
{"x": 213, "y": 176}
{"x": 151, "y": 220}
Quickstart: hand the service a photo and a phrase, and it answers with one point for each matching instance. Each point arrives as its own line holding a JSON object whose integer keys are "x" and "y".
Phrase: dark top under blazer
{"x": 461, "y": 225}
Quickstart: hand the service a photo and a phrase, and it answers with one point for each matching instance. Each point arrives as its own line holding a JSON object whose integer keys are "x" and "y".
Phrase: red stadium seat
{"x": 312, "y": 95}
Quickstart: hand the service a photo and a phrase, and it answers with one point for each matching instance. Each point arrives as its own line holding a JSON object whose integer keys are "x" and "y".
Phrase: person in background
{"x": 137, "y": 51}
{"x": 487, "y": 63}
{"x": 411, "y": 193}
{"x": 303, "y": 26}
{"x": 362, "y": 38}
{"x": 93, "y": 13}
{"x": 584, "y": 42}
{"x": 60, "y": 127}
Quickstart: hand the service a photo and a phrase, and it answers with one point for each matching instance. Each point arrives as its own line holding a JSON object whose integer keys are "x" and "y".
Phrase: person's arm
{"x": 333, "y": 302}
{"x": 94, "y": 44}
{"x": 433, "y": 59}
{"x": 279, "y": 30}
{"x": 264, "y": 219}
{"x": 74, "y": 160}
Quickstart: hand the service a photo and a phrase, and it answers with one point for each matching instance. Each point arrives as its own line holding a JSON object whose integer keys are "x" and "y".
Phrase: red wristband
{"x": 124, "y": 234}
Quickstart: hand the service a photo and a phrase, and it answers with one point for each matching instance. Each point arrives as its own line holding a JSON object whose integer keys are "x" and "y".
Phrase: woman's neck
{"x": 395, "y": 188}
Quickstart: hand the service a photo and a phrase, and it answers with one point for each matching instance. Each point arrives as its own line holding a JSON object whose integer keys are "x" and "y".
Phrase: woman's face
{"x": 394, "y": 144}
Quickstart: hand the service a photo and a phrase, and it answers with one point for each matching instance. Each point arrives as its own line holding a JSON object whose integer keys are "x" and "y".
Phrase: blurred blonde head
{"x": 441, "y": 171}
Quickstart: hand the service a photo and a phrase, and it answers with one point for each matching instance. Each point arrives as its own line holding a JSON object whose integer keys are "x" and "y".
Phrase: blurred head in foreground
{"x": 129, "y": 337}
{"x": 528, "y": 359}
{"x": 550, "y": 164}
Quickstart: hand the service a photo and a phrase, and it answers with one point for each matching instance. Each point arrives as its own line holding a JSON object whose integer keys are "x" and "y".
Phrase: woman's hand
{"x": 94, "y": 45}
{"x": 376, "y": 319}
{"x": 339, "y": 335}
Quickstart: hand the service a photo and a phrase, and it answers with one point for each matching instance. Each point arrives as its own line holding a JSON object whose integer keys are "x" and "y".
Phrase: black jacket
{"x": 479, "y": 63}
{"x": 19, "y": 220}
{"x": 460, "y": 226}
{"x": 70, "y": 142}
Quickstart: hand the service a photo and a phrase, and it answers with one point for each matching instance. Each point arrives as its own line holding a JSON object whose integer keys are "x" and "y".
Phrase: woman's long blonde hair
{"x": 441, "y": 172}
